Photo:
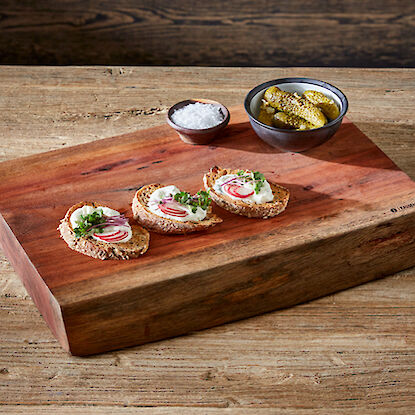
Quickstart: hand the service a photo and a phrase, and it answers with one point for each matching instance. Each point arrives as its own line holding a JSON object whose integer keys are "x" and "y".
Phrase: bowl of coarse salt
{"x": 198, "y": 121}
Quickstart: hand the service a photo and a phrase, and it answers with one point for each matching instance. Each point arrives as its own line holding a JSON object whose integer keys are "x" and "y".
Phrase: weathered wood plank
{"x": 353, "y": 351}
{"x": 264, "y": 33}
{"x": 105, "y": 101}
{"x": 70, "y": 409}
{"x": 370, "y": 328}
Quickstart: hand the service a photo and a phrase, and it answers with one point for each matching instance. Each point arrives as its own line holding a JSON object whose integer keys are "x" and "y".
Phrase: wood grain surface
{"x": 343, "y": 227}
{"x": 373, "y": 33}
{"x": 348, "y": 353}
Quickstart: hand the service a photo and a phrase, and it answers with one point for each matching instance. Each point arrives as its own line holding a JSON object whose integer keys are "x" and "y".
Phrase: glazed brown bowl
{"x": 294, "y": 140}
{"x": 201, "y": 136}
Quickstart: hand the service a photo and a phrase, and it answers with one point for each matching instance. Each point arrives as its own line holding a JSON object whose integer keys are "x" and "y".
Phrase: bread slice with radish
{"x": 245, "y": 192}
{"x": 165, "y": 209}
{"x": 100, "y": 232}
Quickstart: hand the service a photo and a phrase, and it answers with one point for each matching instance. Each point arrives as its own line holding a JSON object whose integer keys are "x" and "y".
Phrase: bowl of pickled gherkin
{"x": 295, "y": 114}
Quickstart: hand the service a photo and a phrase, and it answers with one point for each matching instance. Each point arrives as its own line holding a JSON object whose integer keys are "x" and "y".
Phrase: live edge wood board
{"x": 350, "y": 219}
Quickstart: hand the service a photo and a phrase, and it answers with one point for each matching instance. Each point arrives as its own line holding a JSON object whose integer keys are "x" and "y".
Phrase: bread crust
{"x": 133, "y": 248}
{"x": 250, "y": 210}
{"x": 158, "y": 224}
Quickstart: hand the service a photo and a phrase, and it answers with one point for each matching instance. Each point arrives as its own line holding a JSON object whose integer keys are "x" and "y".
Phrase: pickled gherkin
{"x": 266, "y": 112}
{"x": 327, "y": 105}
{"x": 283, "y": 120}
{"x": 292, "y": 104}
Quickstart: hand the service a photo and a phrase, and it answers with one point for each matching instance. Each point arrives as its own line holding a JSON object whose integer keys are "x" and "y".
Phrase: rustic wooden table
{"x": 353, "y": 352}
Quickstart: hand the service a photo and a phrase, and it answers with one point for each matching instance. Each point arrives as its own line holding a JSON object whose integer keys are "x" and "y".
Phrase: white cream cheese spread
{"x": 237, "y": 188}
{"x": 111, "y": 233}
{"x": 162, "y": 203}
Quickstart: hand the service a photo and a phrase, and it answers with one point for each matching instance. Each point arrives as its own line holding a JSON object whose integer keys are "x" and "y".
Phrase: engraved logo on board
{"x": 397, "y": 209}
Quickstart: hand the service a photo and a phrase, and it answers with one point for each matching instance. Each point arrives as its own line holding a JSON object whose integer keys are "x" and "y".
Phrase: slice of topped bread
{"x": 239, "y": 207}
{"x": 87, "y": 245}
{"x": 158, "y": 224}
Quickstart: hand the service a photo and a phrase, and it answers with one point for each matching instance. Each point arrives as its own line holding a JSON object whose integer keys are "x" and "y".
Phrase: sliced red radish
{"x": 117, "y": 239}
{"x": 112, "y": 237}
{"x": 107, "y": 235}
{"x": 120, "y": 238}
{"x": 168, "y": 210}
{"x": 236, "y": 190}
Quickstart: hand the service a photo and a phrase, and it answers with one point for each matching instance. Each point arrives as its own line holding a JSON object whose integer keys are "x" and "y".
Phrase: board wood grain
{"x": 262, "y": 33}
{"x": 340, "y": 229}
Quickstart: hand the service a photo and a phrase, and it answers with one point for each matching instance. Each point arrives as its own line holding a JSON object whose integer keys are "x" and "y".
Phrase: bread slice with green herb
{"x": 239, "y": 207}
{"x": 153, "y": 222}
{"x": 79, "y": 239}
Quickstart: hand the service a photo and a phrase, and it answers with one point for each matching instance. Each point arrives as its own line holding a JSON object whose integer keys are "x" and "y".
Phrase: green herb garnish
{"x": 86, "y": 222}
{"x": 259, "y": 181}
{"x": 256, "y": 177}
{"x": 200, "y": 199}
{"x": 182, "y": 197}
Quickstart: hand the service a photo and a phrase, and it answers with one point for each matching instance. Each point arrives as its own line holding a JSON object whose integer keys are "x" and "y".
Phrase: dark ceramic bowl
{"x": 192, "y": 136}
{"x": 295, "y": 140}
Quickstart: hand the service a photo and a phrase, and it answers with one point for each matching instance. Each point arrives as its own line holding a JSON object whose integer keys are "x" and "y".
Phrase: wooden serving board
{"x": 350, "y": 219}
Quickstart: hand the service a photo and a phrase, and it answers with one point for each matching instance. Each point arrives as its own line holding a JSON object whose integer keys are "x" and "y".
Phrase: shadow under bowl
{"x": 201, "y": 136}
{"x": 294, "y": 140}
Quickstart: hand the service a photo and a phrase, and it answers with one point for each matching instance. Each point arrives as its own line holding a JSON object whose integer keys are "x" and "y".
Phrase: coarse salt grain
{"x": 198, "y": 116}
